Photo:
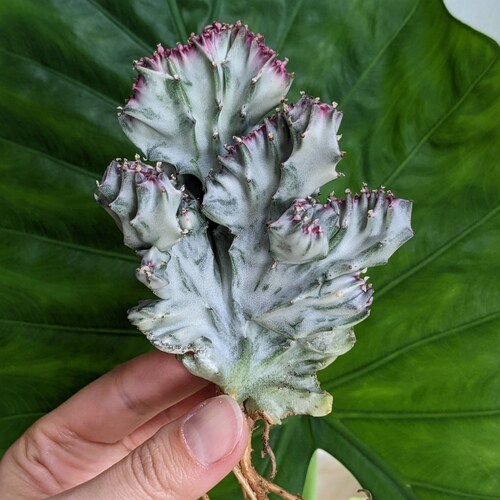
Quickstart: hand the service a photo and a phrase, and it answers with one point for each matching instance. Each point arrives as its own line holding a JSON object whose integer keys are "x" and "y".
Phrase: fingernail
{"x": 213, "y": 431}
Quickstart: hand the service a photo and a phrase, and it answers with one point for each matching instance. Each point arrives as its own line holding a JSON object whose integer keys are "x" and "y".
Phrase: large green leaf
{"x": 417, "y": 401}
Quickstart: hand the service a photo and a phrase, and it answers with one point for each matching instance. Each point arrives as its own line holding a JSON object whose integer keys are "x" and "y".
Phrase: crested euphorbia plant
{"x": 259, "y": 284}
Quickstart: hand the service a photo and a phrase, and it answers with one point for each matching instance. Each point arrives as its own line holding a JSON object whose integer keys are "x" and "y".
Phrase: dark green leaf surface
{"x": 417, "y": 401}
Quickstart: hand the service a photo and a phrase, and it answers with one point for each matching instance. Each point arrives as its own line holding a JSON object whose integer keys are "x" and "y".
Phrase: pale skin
{"x": 146, "y": 430}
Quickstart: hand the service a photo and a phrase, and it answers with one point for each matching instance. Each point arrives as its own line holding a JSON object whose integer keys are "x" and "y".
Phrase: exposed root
{"x": 205, "y": 497}
{"x": 266, "y": 448}
{"x": 248, "y": 493}
{"x": 254, "y": 486}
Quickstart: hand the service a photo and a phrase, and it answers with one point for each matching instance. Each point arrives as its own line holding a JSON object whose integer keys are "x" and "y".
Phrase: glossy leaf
{"x": 416, "y": 402}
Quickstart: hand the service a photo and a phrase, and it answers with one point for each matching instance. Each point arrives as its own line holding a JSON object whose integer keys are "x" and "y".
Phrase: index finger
{"x": 122, "y": 400}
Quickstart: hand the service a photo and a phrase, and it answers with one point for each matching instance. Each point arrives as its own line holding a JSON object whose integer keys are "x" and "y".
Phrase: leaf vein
{"x": 6, "y": 418}
{"x": 289, "y": 24}
{"x": 410, "y": 415}
{"x": 72, "y": 328}
{"x": 377, "y": 58}
{"x": 138, "y": 41}
{"x": 443, "y": 489}
{"x": 74, "y": 246}
{"x": 438, "y": 252}
{"x": 433, "y": 337}
{"x": 63, "y": 163}
{"x": 437, "y": 124}
{"x": 68, "y": 79}
{"x": 375, "y": 460}
{"x": 178, "y": 21}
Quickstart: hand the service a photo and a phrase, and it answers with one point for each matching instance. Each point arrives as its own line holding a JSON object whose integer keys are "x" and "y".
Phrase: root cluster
{"x": 255, "y": 486}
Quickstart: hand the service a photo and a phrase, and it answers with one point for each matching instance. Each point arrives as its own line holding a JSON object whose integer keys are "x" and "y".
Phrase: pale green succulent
{"x": 259, "y": 284}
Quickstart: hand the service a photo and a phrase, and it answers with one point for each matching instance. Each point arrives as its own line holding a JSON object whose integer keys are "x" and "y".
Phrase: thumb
{"x": 182, "y": 461}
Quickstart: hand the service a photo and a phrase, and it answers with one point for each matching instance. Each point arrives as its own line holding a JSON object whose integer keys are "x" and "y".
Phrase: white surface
{"x": 335, "y": 481}
{"x": 482, "y": 15}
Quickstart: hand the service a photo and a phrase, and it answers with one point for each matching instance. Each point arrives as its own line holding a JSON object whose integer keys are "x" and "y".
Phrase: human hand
{"x": 146, "y": 430}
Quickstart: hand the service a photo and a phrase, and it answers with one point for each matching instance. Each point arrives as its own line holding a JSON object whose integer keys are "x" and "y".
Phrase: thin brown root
{"x": 278, "y": 490}
{"x": 254, "y": 486}
{"x": 205, "y": 497}
{"x": 266, "y": 448}
{"x": 247, "y": 489}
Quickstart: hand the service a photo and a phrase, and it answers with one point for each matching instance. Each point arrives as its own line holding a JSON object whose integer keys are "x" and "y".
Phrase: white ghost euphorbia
{"x": 259, "y": 285}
